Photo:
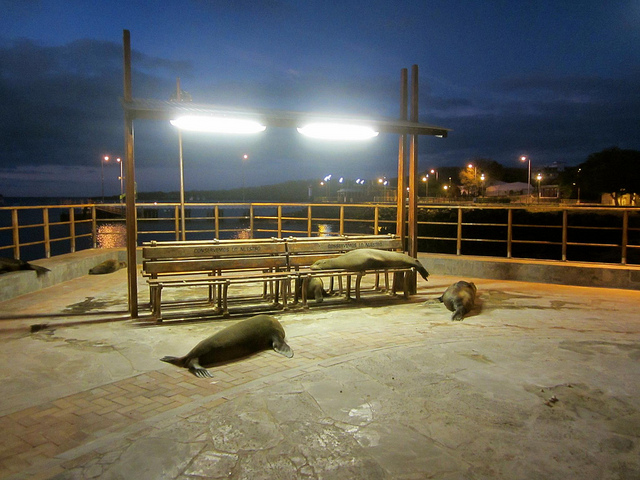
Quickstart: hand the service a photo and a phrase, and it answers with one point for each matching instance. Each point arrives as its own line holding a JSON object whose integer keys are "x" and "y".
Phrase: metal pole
{"x": 182, "y": 216}
{"x": 402, "y": 160}
{"x": 413, "y": 169}
{"x": 102, "y": 176}
{"x": 132, "y": 228}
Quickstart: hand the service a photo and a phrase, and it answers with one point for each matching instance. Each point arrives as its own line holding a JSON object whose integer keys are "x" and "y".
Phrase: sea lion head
{"x": 321, "y": 264}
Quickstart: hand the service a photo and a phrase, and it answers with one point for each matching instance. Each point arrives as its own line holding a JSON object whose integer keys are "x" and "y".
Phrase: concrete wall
{"x": 540, "y": 271}
{"x": 63, "y": 268}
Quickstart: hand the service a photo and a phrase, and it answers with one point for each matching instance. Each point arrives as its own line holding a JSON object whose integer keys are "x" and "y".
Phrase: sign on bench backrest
{"x": 213, "y": 251}
{"x": 338, "y": 246}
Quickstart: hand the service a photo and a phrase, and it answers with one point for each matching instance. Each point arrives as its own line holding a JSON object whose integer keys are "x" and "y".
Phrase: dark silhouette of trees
{"x": 614, "y": 171}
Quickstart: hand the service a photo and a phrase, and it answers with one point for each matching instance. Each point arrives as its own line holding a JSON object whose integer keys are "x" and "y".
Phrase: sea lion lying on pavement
{"x": 369, "y": 259}
{"x": 459, "y": 298}
{"x": 108, "y": 266}
{"x": 13, "y": 265}
{"x": 236, "y": 341}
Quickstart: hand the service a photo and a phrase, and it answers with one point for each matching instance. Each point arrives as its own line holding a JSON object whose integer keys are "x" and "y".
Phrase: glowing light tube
{"x": 337, "y": 131}
{"x": 217, "y": 124}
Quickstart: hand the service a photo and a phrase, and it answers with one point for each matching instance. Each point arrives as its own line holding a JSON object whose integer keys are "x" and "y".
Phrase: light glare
{"x": 217, "y": 124}
{"x": 337, "y": 131}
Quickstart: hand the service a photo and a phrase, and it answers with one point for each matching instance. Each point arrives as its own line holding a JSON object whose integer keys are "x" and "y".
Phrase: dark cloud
{"x": 62, "y": 103}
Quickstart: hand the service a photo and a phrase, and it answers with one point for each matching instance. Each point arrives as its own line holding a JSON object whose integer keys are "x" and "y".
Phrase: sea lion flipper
{"x": 459, "y": 313}
{"x": 282, "y": 348}
{"x": 198, "y": 370}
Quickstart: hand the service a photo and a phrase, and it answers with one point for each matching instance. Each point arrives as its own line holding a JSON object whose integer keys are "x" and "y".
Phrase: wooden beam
{"x": 401, "y": 211}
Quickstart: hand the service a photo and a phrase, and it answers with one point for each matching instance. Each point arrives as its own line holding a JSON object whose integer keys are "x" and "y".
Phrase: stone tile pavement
{"x": 540, "y": 381}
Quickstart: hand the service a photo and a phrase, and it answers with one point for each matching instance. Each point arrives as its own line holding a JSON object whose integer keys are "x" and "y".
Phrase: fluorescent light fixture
{"x": 217, "y": 124}
{"x": 337, "y": 131}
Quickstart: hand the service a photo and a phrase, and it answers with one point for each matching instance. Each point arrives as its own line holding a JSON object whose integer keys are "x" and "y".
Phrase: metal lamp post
{"x": 121, "y": 177}
{"x": 527, "y": 159}
{"x": 102, "y": 160}
{"x": 539, "y": 177}
{"x": 425, "y": 179}
{"x": 244, "y": 157}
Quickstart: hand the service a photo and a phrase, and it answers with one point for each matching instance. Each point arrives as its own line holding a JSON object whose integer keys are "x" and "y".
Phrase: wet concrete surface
{"x": 538, "y": 381}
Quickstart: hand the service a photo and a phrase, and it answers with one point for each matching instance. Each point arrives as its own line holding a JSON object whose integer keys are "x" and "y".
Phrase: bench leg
{"x": 348, "y": 289}
{"x": 225, "y": 306}
{"x": 305, "y": 285}
{"x": 157, "y": 300}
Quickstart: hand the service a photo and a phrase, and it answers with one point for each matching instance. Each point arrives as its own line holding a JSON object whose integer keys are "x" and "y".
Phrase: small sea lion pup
{"x": 369, "y": 259}
{"x": 459, "y": 298}
{"x": 108, "y": 266}
{"x": 242, "y": 339}
{"x": 13, "y": 265}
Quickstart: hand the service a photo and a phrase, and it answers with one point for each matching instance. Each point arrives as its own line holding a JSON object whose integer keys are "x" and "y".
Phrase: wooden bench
{"x": 216, "y": 265}
{"x": 303, "y": 252}
{"x": 274, "y": 263}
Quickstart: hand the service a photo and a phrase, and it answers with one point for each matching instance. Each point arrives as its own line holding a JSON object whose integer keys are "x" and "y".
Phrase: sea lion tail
{"x": 178, "y": 361}
{"x": 422, "y": 271}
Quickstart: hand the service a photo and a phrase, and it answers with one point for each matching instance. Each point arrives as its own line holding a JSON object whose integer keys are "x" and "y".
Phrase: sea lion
{"x": 368, "y": 259}
{"x": 236, "y": 341}
{"x": 315, "y": 289}
{"x": 108, "y": 266}
{"x": 13, "y": 265}
{"x": 459, "y": 298}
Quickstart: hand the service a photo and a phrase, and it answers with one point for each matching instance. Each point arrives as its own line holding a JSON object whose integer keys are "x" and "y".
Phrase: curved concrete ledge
{"x": 63, "y": 268}
{"x": 579, "y": 274}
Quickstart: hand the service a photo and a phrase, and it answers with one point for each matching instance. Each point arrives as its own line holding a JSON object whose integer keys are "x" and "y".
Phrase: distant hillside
{"x": 292, "y": 191}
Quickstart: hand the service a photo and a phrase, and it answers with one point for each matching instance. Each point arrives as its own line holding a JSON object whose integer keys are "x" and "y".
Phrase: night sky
{"x": 554, "y": 80}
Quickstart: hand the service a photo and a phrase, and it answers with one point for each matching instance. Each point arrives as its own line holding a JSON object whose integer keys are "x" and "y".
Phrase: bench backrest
{"x": 173, "y": 257}
{"x": 304, "y": 252}
{"x": 161, "y": 258}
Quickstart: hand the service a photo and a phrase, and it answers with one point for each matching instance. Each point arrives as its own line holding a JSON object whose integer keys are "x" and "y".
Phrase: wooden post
{"x": 47, "y": 233}
{"x": 509, "y": 231}
{"x": 72, "y": 228}
{"x": 413, "y": 169}
{"x": 565, "y": 237}
{"x": 131, "y": 220}
{"x": 401, "y": 211}
{"x": 412, "y": 231}
{"x": 625, "y": 235}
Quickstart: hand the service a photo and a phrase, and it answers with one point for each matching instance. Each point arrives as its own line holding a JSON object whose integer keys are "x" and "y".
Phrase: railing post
{"x": 459, "y": 236}
{"x": 176, "y": 222}
{"x": 309, "y": 222}
{"x": 47, "y": 233}
{"x": 251, "y": 216}
{"x": 15, "y": 228}
{"x": 72, "y": 228}
{"x": 341, "y": 220}
{"x": 565, "y": 223}
{"x": 217, "y": 220}
{"x": 509, "y": 231}
{"x": 94, "y": 226}
{"x": 376, "y": 219}
{"x": 625, "y": 235}
{"x": 279, "y": 221}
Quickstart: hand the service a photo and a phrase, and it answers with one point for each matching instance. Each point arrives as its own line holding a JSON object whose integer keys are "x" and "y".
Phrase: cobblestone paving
{"x": 539, "y": 382}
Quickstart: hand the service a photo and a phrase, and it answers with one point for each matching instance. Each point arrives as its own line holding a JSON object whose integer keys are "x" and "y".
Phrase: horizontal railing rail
{"x": 580, "y": 233}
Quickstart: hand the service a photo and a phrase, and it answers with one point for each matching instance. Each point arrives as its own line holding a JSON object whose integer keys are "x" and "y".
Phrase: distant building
{"x": 508, "y": 189}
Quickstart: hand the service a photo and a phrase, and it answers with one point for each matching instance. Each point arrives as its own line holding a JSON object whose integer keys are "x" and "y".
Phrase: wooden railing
{"x": 597, "y": 234}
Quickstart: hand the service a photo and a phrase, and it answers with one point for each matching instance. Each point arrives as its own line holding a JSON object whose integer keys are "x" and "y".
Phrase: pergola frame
{"x": 146, "y": 109}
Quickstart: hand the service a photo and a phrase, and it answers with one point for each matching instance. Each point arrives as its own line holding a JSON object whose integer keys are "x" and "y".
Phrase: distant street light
{"x": 527, "y": 159}
{"x": 539, "y": 177}
{"x": 425, "y": 179}
{"x": 102, "y": 160}
{"x": 482, "y": 179}
{"x": 119, "y": 160}
{"x": 434, "y": 172}
{"x": 244, "y": 157}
